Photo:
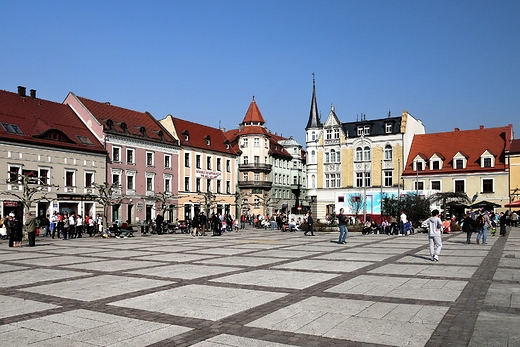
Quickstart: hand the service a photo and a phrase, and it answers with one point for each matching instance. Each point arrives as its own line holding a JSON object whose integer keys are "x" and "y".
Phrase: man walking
{"x": 310, "y": 223}
{"x": 30, "y": 227}
{"x": 342, "y": 221}
{"x": 434, "y": 234}
{"x": 202, "y": 223}
{"x": 402, "y": 224}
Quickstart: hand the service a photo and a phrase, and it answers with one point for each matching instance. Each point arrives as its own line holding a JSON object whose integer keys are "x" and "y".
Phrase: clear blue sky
{"x": 448, "y": 63}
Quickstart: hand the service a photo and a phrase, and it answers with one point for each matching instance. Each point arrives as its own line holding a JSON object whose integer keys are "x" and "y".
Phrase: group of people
{"x": 481, "y": 221}
{"x": 218, "y": 224}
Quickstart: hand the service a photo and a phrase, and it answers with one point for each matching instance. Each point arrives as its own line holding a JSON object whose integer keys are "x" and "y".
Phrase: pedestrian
{"x": 342, "y": 221}
{"x": 195, "y": 223}
{"x": 503, "y": 221}
{"x": 79, "y": 226}
{"x": 66, "y": 225}
{"x": 310, "y": 223}
{"x": 434, "y": 234}
{"x": 483, "y": 223}
{"x": 30, "y": 228}
{"x": 54, "y": 221}
{"x": 202, "y": 223}
{"x": 469, "y": 226}
{"x": 72, "y": 226}
{"x": 402, "y": 224}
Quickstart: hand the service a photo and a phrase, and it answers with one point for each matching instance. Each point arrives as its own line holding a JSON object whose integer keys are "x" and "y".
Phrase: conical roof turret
{"x": 253, "y": 114}
{"x": 314, "y": 119}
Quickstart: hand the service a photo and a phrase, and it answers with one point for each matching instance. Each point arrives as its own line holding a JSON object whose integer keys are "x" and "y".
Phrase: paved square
{"x": 402, "y": 287}
{"x": 237, "y": 341}
{"x": 14, "y": 307}
{"x": 218, "y": 303}
{"x": 324, "y": 265}
{"x": 17, "y": 278}
{"x": 356, "y": 320}
{"x": 184, "y": 271}
{"x": 277, "y": 278}
{"x": 433, "y": 269}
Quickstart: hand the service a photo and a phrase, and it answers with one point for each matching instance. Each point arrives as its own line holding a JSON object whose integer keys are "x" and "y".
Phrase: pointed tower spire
{"x": 314, "y": 119}
{"x": 253, "y": 114}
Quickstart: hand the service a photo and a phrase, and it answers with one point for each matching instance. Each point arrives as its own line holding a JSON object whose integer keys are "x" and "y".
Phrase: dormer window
{"x": 186, "y": 135}
{"x": 435, "y": 165}
{"x": 367, "y": 130}
{"x": 419, "y": 163}
{"x": 12, "y": 128}
{"x": 388, "y": 128}
{"x": 459, "y": 164}
{"x": 329, "y": 134}
{"x": 460, "y": 161}
{"x": 207, "y": 138}
{"x": 487, "y": 160}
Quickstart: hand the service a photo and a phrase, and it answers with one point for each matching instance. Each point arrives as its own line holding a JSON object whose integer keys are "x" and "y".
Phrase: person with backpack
{"x": 483, "y": 224}
{"x": 469, "y": 227}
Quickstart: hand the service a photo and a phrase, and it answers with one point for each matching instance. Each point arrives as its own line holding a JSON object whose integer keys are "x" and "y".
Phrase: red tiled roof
{"x": 253, "y": 113}
{"x": 515, "y": 147}
{"x": 134, "y": 120}
{"x": 197, "y": 136}
{"x": 277, "y": 149}
{"x": 472, "y": 143}
{"x": 37, "y": 117}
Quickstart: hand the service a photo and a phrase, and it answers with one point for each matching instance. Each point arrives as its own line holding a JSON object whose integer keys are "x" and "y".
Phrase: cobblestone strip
{"x": 456, "y": 328}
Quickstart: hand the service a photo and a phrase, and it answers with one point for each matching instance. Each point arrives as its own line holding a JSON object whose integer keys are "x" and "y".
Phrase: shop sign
{"x": 10, "y": 204}
{"x": 75, "y": 197}
{"x": 207, "y": 174}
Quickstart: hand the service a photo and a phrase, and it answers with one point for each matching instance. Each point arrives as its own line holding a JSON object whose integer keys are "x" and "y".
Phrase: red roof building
{"x": 142, "y": 159}
{"x": 46, "y": 141}
{"x": 470, "y": 161}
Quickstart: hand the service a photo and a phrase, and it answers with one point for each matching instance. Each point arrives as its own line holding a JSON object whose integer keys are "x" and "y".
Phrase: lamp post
{"x": 381, "y": 203}
{"x": 364, "y": 178}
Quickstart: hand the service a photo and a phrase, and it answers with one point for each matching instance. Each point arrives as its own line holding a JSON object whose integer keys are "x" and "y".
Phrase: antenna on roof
{"x": 389, "y": 113}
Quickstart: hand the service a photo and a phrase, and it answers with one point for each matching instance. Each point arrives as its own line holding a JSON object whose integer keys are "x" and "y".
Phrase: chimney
{"x": 21, "y": 91}
{"x": 457, "y": 129}
{"x": 33, "y": 93}
{"x": 481, "y": 127}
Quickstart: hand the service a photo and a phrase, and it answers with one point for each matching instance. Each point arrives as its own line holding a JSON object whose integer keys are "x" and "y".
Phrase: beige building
{"x": 513, "y": 155}
{"x": 207, "y": 162}
{"x": 45, "y": 141}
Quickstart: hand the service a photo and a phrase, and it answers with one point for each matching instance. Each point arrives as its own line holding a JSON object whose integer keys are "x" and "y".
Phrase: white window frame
{"x": 482, "y": 184}
{"x": 388, "y": 128}
{"x": 118, "y": 149}
{"x": 389, "y": 152}
{"x": 440, "y": 185}
{"x": 151, "y": 175}
{"x": 93, "y": 173}
{"x": 385, "y": 176}
{"x": 132, "y": 150}
{"x": 152, "y": 154}
{"x": 168, "y": 178}
{"x": 460, "y": 179}
{"x": 15, "y": 185}
{"x": 417, "y": 182}
{"x": 167, "y": 158}
{"x": 256, "y": 142}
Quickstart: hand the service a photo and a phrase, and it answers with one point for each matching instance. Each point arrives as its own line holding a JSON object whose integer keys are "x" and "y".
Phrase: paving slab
{"x": 15, "y": 306}
{"x": 237, "y": 341}
{"x": 31, "y": 276}
{"x": 324, "y": 265}
{"x": 432, "y": 269}
{"x": 184, "y": 271}
{"x": 496, "y": 329}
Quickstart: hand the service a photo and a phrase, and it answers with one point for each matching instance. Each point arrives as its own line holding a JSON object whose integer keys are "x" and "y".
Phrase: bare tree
{"x": 208, "y": 201}
{"x": 107, "y": 198}
{"x": 33, "y": 189}
{"x": 164, "y": 198}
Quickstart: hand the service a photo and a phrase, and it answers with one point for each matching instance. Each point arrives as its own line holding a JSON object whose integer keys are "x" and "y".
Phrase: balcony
{"x": 254, "y": 167}
{"x": 255, "y": 184}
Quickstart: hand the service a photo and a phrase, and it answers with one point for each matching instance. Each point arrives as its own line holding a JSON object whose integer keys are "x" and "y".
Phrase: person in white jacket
{"x": 434, "y": 226}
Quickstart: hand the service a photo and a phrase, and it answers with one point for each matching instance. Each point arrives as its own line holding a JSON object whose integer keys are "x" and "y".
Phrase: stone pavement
{"x": 261, "y": 288}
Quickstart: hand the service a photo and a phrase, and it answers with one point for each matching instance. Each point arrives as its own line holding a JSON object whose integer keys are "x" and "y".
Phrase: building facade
{"x": 513, "y": 156}
{"x": 208, "y": 176}
{"x": 353, "y": 165}
{"x": 142, "y": 159}
{"x": 470, "y": 161}
{"x": 45, "y": 141}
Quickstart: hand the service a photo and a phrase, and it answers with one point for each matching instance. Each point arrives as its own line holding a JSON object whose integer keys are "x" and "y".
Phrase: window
{"x": 360, "y": 130}
{"x": 198, "y": 162}
{"x": 116, "y": 179}
{"x": 329, "y": 134}
{"x": 332, "y": 156}
{"x": 459, "y": 186}
{"x": 313, "y": 136}
{"x": 327, "y": 180}
{"x": 459, "y": 164}
{"x": 186, "y": 160}
{"x": 436, "y": 165}
{"x": 313, "y": 181}
{"x": 435, "y": 185}
{"x": 219, "y": 161}
{"x": 313, "y": 157}
{"x": 359, "y": 154}
{"x": 89, "y": 179}
{"x": 208, "y": 185}
{"x": 246, "y": 160}
{"x": 388, "y": 178}
{"x": 149, "y": 184}
{"x": 55, "y": 136}
{"x": 257, "y": 177}
{"x": 245, "y": 142}
{"x": 130, "y": 156}
{"x": 419, "y": 185}
{"x": 69, "y": 178}
{"x": 359, "y": 179}
{"x": 327, "y": 157}
{"x": 167, "y": 184}
{"x": 228, "y": 165}
{"x": 368, "y": 182}
{"x": 44, "y": 176}
{"x": 266, "y": 143}
{"x": 116, "y": 154}
{"x": 487, "y": 185}
{"x": 246, "y": 176}
{"x": 257, "y": 159}
{"x": 84, "y": 140}
{"x": 257, "y": 142}
{"x": 366, "y": 154}
{"x": 388, "y": 128}
{"x": 336, "y": 133}
{"x": 388, "y": 152}
{"x": 14, "y": 172}
{"x": 12, "y": 129}
{"x": 130, "y": 182}
{"x": 418, "y": 166}
{"x": 197, "y": 184}
{"x": 219, "y": 183}
{"x": 367, "y": 130}
{"x": 186, "y": 184}
{"x": 228, "y": 187}
{"x": 487, "y": 162}
{"x": 167, "y": 161}
{"x": 295, "y": 182}
{"x": 208, "y": 163}
{"x": 149, "y": 159}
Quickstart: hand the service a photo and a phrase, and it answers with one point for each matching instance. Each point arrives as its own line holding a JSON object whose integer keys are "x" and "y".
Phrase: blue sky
{"x": 449, "y": 63}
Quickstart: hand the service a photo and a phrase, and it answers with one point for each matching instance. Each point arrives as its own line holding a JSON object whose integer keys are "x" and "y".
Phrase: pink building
{"x": 142, "y": 158}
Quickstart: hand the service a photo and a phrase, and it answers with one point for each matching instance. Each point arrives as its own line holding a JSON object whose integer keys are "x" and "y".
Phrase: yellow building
{"x": 513, "y": 155}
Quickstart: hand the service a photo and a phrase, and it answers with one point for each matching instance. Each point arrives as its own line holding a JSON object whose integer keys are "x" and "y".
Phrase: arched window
{"x": 332, "y": 156}
{"x": 313, "y": 136}
{"x": 388, "y": 152}
{"x": 359, "y": 154}
{"x": 367, "y": 153}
